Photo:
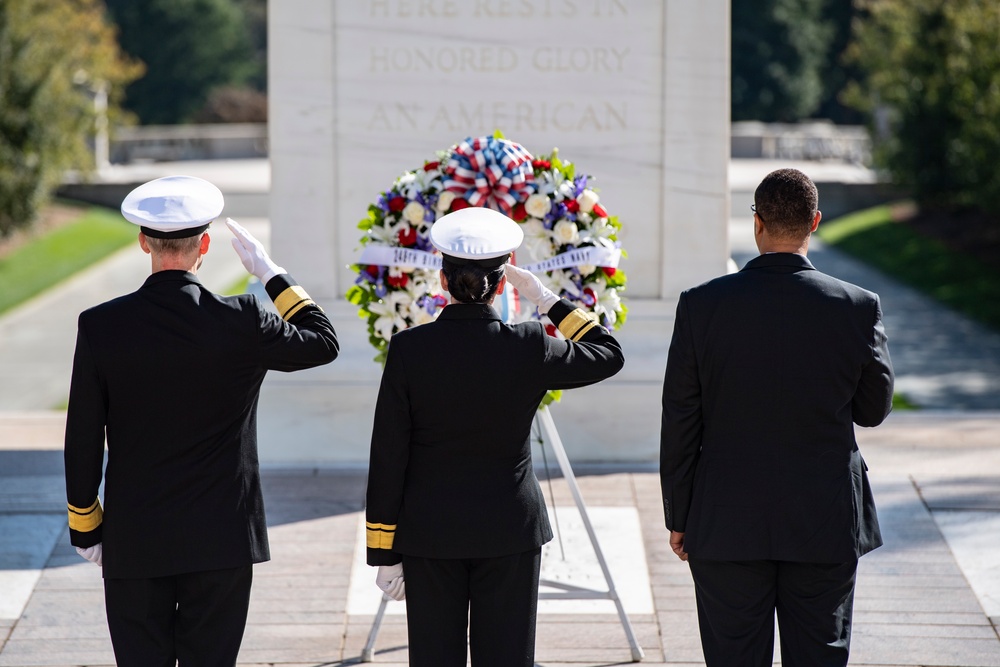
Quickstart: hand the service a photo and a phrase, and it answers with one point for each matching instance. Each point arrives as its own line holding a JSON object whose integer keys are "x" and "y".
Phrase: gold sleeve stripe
{"x": 380, "y": 526}
{"x": 299, "y": 306}
{"x": 84, "y": 520}
{"x": 576, "y": 324}
{"x": 291, "y": 301}
{"x": 380, "y": 535}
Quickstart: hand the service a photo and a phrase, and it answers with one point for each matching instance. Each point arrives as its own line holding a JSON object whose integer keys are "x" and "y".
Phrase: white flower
{"x": 419, "y": 315}
{"x": 385, "y": 235}
{"x": 432, "y": 283}
{"x": 390, "y": 313}
{"x": 566, "y": 189}
{"x": 566, "y": 232}
{"x": 414, "y": 213}
{"x": 549, "y": 181}
{"x": 611, "y": 302}
{"x": 587, "y": 199}
{"x": 600, "y": 229}
{"x": 608, "y": 301}
{"x": 533, "y": 227}
{"x": 540, "y": 247}
{"x": 560, "y": 281}
{"x": 425, "y": 179}
{"x": 444, "y": 200}
{"x": 536, "y": 239}
{"x": 407, "y": 185}
{"x": 538, "y": 205}
{"x": 586, "y": 269}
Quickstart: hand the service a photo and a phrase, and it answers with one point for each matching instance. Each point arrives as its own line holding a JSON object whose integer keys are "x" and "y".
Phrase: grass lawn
{"x": 61, "y": 252}
{"x": 956, "y": 280}
{"x": 900, "y": 403}
{"x": 238, "y": 287}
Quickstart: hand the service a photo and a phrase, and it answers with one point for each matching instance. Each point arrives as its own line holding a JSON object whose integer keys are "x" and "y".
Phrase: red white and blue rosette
{"x": 487, "y": 171}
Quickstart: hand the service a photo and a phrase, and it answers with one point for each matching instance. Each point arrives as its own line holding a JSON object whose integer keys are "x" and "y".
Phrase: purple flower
{"x": 424, "y": 243}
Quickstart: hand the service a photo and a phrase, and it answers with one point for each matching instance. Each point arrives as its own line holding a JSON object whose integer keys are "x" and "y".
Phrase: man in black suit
{"x": 170, "y": 375}
{"x": 765, "y": 492}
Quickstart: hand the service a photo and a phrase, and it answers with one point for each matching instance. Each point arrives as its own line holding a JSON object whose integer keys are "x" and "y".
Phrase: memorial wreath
{"x": 572, "y": 241}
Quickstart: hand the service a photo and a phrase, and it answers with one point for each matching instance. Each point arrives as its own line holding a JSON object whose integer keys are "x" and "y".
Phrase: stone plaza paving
{"x": 936, "y": 480}
{"x": 930, "y": 596}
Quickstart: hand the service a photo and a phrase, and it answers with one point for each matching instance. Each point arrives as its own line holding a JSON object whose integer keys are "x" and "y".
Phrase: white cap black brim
{"x": 173, "y": 206}
{"x": 476, "y": 235}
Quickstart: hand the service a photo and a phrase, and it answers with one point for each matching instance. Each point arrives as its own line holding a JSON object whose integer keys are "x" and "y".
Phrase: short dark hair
{"x": 786, "y": 202}
{"x": 471, "y": 283}
{"x": 181, "y": 246}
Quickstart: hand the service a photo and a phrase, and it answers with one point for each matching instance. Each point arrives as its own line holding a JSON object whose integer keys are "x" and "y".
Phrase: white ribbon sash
{"x": 594, "y": 255}
{"x": 384, "y": 255}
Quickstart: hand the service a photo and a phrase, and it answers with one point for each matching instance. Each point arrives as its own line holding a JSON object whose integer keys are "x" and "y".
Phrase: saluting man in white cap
{"x": 170, "y": 375}
{"x": 455, "y": 516}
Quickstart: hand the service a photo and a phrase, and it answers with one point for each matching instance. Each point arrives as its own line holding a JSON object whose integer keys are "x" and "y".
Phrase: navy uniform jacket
{"x": 450, "y": 474}
{"x": 768, "y": 371}
{"x": 170, "y": 375}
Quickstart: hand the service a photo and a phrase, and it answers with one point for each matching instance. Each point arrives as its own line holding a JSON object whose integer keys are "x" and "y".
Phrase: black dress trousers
{"x": 194, "y": 620}
{"x": 738, "y": 600}
{"x": 496, "y": 597}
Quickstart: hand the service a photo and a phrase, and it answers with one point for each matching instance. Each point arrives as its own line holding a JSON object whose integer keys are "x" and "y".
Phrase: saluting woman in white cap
{"x": 453, "y": 508}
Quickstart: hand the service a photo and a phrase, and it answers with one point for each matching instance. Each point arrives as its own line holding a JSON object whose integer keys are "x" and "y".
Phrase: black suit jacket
{"x": 170, "y": 375}
{"x": 451, "y": 451}
{"x": 768, "y": 371}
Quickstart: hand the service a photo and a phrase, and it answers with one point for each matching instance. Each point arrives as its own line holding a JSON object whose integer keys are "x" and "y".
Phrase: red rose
{"x": 609, "y": 270}
{"x": 572, "y": 205}
{"x": 541, "y": 164}
{"x": 550, "y": 329}
{"x": 397, "y": 204}
{"x": 600, "y": 211}
{"x": 430, "y": 166}
{"x": 407, "y": 237}
{"x": 398, "y": 281}
{"x": 589, "y": 297}
{"x": 459, "y": 203}
{"x": 372, "y": 270}
{"x": 518, "y": 212}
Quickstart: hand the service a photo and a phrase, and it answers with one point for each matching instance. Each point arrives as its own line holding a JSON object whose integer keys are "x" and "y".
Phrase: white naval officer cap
{"x": 173, "y": 207}
{"x": 476, "y": 235}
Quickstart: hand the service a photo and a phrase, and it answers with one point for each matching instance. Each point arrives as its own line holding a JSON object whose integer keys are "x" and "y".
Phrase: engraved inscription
{"x": 564, "y": 77}
{"x": 514, "y": 116}
{"x": 498, "y": 9}
{"x": 490, "y": 59}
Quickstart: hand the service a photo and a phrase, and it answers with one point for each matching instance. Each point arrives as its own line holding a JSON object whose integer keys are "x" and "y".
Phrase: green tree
{"x": 256, "y": 21}
{"x": 778, "y": 50}
{"x": 53, "y": 53}
{"x": 837, "y": 71}
{"x": 189, "y": 47}
{"x": 932, "y": 87}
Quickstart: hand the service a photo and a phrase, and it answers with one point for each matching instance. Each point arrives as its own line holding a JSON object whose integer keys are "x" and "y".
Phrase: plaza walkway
{"x": 930, "y": 596}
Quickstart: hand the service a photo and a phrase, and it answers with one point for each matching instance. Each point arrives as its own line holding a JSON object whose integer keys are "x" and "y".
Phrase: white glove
{"x": 530, "y": 287}
{"x": 390, "y": 580}
{"x": 94, "y": 554}
{"x": 252, "y": 253}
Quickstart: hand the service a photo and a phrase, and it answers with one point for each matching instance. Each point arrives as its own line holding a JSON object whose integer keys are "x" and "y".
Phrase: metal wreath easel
{"x": 567, "y": 591}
